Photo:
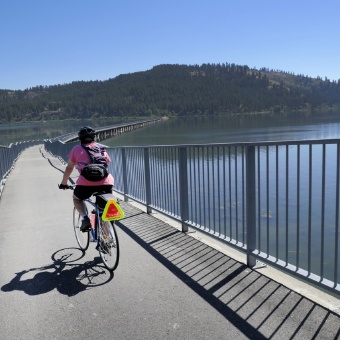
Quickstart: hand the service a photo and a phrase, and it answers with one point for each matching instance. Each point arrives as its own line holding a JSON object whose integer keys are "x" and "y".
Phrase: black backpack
{"x": 97, "y": 170}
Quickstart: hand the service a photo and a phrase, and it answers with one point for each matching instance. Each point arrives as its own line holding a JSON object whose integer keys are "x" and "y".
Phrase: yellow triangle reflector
{"x": 112, "y": 211}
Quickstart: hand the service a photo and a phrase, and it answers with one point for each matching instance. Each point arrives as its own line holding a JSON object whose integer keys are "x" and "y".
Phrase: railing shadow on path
{"x": 63, "y": 274}
{"x": 54, "y": 161}
{"x": 258, "y": 306}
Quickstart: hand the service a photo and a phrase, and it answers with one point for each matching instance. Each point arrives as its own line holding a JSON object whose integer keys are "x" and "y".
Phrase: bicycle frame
{"x": 104, "y": 232}
{"x": 97, "y": 217}
{"x": 104, "y": 229}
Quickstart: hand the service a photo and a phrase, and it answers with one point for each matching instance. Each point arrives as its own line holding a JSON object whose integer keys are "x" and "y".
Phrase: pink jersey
{"x": 80, "y": 158}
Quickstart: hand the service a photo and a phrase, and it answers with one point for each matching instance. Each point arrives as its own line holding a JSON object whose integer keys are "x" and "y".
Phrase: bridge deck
{"x": 168, "y": 285}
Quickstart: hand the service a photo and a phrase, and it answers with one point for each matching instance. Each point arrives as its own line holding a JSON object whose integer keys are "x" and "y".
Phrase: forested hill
{"x": 173, "y": 90}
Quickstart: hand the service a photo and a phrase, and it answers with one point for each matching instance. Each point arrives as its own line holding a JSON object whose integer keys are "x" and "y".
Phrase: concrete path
{"x": 168, "y": 285}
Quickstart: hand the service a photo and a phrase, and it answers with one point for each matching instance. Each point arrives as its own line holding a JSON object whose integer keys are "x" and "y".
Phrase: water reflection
{"x": 11, "y": 133}
{"x": 191, "y": 130}
{"x": 202, "y": 130}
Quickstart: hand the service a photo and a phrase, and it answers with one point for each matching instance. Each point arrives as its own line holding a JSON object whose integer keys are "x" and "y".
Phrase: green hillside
{"x": 208, "y": 89}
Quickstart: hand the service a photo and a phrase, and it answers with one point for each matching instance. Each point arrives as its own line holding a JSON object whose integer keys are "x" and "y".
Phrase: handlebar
{"x": 65, "y": 187}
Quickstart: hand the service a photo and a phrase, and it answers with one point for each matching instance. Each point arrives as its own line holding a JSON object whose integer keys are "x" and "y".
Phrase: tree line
{"x": 179, "y": 90}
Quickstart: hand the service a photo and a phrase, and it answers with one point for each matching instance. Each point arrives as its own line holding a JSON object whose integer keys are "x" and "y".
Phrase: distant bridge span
{"x": 113, "y": 130}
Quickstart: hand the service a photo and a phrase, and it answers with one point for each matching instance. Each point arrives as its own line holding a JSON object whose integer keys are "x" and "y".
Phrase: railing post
{"x": 147, "y": 180}
{"x": 183, "y": 187}
{"x": 125, "y": 186}
{"x": 251, "y": 205}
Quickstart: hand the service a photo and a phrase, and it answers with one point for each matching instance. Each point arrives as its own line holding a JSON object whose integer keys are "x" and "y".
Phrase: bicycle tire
{"x": 83, "y": 239}
{"x": 108, "y": 245}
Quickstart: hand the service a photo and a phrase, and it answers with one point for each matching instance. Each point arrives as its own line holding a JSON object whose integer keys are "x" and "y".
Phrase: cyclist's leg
{"x": 80, "y": 194}
{"x": 79, "y": 205}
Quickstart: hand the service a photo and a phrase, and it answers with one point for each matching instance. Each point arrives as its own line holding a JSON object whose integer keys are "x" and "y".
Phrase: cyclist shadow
{"x": 64, "y": 274}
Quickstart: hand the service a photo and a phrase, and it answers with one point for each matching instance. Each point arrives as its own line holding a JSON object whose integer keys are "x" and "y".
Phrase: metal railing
{"x": 8, "y": 156}
{"x": 276, "y": 201}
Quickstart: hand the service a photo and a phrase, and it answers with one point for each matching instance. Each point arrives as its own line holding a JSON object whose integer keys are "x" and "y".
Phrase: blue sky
{"x": 45, "y": 42}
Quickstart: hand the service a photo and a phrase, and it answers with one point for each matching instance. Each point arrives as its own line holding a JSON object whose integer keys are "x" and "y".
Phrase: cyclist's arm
{"x": 68, "y": 171}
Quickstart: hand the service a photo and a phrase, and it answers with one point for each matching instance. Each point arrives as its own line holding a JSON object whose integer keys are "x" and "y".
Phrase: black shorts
{"x": 82, "y": 192}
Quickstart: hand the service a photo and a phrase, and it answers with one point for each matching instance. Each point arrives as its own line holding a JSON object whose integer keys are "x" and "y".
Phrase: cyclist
{"x": 79, "y": 158}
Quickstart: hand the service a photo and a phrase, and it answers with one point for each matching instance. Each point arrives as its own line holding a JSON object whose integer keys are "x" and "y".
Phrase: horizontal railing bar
{"x": 239, "y": 144}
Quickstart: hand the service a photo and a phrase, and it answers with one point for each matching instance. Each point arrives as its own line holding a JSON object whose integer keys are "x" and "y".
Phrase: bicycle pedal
{"x": 100, "y": 248}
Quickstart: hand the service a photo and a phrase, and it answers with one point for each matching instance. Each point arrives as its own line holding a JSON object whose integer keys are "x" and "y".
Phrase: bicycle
{"x": 105, "y": 211}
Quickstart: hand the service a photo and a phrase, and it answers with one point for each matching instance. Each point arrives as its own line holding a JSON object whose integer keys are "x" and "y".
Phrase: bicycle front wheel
{"x": 108, "y": 245}
{"x": 83, "y": 239}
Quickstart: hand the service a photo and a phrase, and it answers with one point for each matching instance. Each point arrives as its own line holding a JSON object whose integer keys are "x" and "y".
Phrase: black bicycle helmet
{"x": 86, "y": 134}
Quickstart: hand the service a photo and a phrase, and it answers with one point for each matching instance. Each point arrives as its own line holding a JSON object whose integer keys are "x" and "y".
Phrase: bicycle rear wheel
{"x": 108, "y": 245}
{"x": 83, "y": 239}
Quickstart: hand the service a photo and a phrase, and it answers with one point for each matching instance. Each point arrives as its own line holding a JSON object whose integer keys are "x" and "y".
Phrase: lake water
{"x": 233, "y": 129}
{"x": 266, "y": 128}
{"x": 195, "y": 130}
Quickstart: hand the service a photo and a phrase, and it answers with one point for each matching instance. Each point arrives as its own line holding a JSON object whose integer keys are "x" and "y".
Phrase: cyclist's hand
{"x": 63, "y": 186}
